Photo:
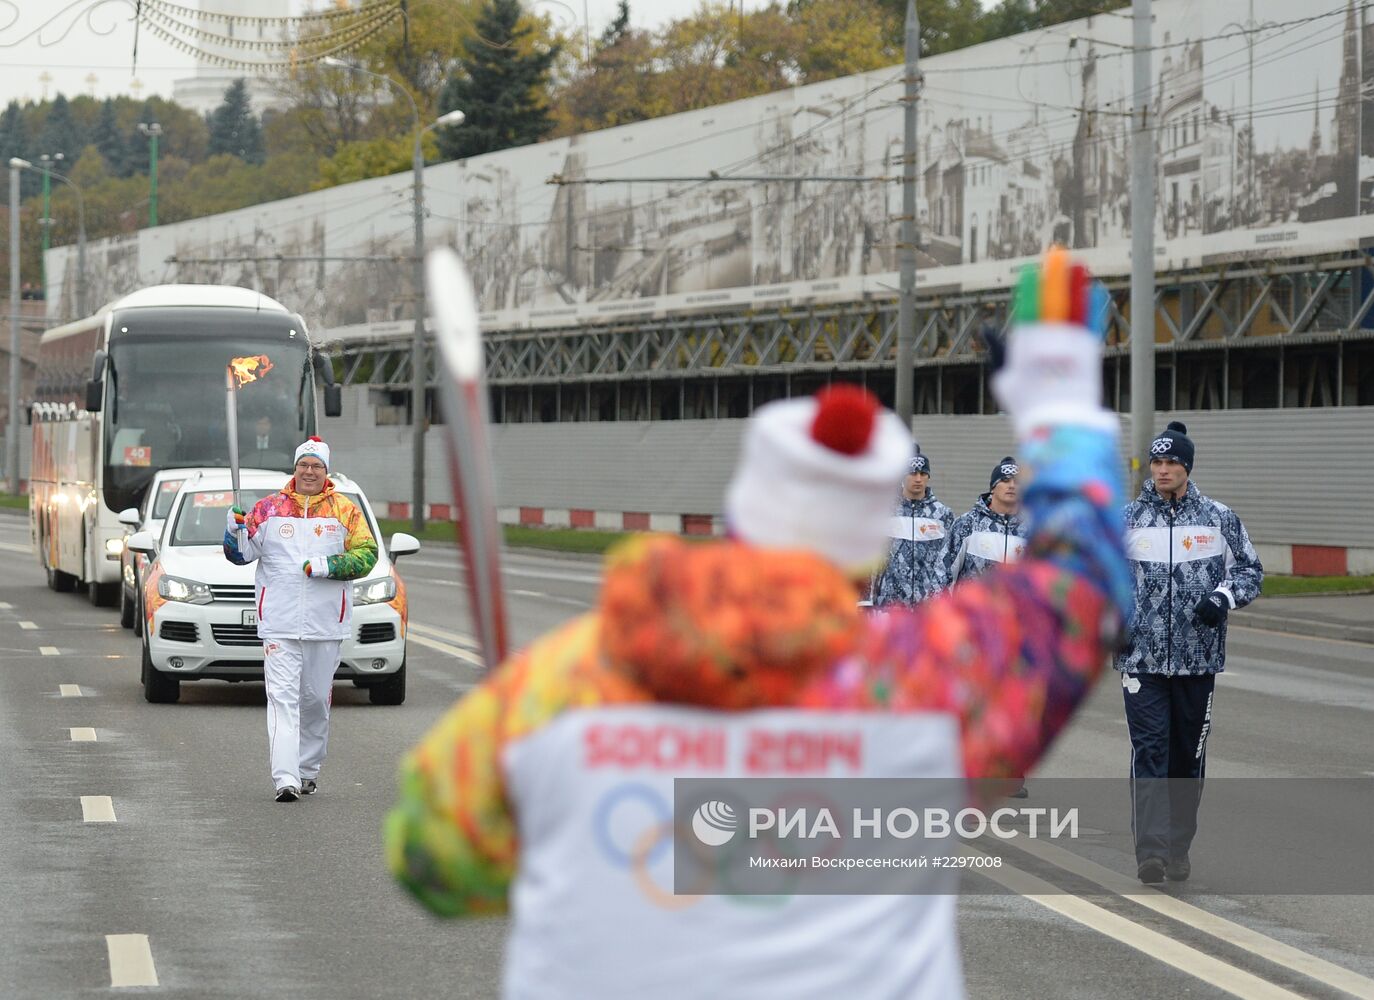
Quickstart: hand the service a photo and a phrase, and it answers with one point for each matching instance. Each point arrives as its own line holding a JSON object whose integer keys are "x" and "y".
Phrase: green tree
{"x": 106, "y": 136}
{"x": 501, "y": 84}
{"x": 14, "y": 133}
{"x": 945, "y": 24}
{"x": 1011, "y": 17}
{"x": 619, "y": 27}
{"x": 59, "y": 133}
{"x": 234, "y": 129}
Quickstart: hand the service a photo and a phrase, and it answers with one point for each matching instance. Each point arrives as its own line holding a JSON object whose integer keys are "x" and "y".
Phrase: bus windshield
{"x": 165, "y": 394}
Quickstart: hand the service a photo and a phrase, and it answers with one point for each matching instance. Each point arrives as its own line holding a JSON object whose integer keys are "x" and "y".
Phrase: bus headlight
{"x": 174, "y": 588}
{"x": 114, "y": 548}
{"x": 374, "y": 591}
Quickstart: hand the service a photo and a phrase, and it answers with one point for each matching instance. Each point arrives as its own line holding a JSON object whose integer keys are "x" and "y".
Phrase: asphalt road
{"x": 206, "y": 884}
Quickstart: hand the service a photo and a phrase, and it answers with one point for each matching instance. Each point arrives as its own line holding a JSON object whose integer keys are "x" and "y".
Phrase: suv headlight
{"x": 374, "y": 591}
{"x": 174, "y": 588}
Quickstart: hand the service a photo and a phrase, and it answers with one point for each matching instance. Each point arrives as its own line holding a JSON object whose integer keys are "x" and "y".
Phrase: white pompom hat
{"x": 315, "y": 448}
{"x": 817, "y": 474}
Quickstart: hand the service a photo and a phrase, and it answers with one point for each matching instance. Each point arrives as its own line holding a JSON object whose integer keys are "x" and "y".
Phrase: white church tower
{"x": 204, "y": 91}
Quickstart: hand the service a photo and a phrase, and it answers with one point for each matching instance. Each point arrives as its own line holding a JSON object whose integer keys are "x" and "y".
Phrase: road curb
{"x": 1305, "y": 626}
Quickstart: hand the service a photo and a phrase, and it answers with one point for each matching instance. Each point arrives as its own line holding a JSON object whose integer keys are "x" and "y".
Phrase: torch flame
{"x": 249, "y": 369}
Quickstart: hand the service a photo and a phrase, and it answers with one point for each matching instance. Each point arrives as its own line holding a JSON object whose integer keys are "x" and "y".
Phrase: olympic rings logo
{"x": 1161, "y": 446}
{"x": 642, "y": 808}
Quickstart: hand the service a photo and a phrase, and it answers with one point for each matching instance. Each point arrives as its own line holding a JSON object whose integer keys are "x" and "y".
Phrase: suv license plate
{"x": 250, "y": 618}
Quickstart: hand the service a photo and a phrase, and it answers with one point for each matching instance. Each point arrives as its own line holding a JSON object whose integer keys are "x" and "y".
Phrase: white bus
{"x": 139, "y": 387}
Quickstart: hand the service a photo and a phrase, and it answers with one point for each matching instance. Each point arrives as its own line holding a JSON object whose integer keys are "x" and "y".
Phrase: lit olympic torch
{"x": 240, "y": 372}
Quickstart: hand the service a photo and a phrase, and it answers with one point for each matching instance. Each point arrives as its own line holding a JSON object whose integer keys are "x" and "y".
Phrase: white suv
{"x": 198, "y": 614}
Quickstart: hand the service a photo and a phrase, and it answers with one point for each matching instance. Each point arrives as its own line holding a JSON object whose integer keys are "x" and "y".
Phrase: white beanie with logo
{"x": 817, "y": 474}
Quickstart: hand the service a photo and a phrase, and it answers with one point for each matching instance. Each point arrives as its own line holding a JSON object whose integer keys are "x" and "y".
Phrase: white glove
{"x": 233, "y": 520}
{"x": 1052, "y": 377}
{"x": 317, "y": 568}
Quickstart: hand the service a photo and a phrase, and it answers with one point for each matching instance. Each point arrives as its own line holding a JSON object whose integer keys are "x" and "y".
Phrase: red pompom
{"x": 315, "y": 437}
{"x": 845, "y": 418}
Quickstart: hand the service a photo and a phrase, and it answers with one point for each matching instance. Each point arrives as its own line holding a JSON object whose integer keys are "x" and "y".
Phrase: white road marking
{"x": 28, "y": 626}
{"x": 83, "y": 734}
{"x": 69, "y": 690}
{"x": 131, "y": 960}
{"x": 1158, "y": 946}
{"x": 97, "y": 809}
{"x": 1209, "y": 923}
{"x": 457, "y": 638}
{"x": 48, "y": 650}
{"x": 6, "y": 606}
{"x": 449, "y": 648}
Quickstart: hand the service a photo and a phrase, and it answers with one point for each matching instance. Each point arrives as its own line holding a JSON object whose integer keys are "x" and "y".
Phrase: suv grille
{"x": 377, "y": 632}
{"x": 236, "y": 635}
{"x": 235, "y": 593}
{"x": 178, "y": 631}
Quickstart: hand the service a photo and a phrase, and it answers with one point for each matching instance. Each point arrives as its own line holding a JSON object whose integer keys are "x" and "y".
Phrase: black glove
{"x": 1212, "y": 609}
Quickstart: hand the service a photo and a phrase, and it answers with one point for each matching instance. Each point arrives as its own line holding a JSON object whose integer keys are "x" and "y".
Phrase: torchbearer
{"x": 513, "y": 797}
{"x": 309, "y": 541}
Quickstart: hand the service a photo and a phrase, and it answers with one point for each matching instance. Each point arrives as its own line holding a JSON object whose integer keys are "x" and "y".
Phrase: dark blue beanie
{"x": 919, "y": 463}
{"x": 1174, "y": 443}
{"x": 1005, "y": 469}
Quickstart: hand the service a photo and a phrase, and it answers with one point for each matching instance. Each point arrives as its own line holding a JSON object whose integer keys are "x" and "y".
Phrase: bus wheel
{"x": 158, "y": 688}
{"x": 59, "y": 581}
{"x": 101, "y": 595}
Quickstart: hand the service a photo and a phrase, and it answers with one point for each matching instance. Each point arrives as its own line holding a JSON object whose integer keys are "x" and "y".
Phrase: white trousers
{"x": 300, "y": 689}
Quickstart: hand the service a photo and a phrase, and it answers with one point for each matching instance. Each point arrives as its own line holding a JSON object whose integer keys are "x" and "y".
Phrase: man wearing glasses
{"x": 309, "y": 541}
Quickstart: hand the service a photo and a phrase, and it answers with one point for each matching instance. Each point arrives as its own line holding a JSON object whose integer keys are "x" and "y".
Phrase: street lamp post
{"x": 12, "y": 428}
{"x": 152, "y": 130}
{"x": 418, "y": 364}
{"x": 46, "y": 222}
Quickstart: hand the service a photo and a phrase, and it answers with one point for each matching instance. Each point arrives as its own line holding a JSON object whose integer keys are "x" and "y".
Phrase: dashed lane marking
{"x": 48, "y": 650}
{"x": 97, "y": 809}
{"x": 83, "y": 734}
{"x": 69, "y": 690}
{"x": 28, "y": 626}
{"x": 1209, "y": 923}
{"x": 6, "y": 606}
{"x": 131, "y": 960}
{"x": 456, "y": 638}
{"x": 1158, "y": 946}
{"x": 449, "y": 648}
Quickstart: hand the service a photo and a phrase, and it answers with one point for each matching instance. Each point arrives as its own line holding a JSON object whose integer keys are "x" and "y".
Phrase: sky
{"x": 84, "y": 55}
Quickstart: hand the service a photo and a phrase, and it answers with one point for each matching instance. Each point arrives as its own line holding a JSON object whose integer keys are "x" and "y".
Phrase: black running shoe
{"x": 1178, "y": 869}
{"x": 308, "y": 786}
{"x": 1151, "y": 871}
{"x": 288, "y": 794}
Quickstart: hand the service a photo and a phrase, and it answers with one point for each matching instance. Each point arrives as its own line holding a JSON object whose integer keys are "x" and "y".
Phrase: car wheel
{"x": 126, "y": 608}
{"x": 391, "y": 691}
{"x": 158, "y": 688}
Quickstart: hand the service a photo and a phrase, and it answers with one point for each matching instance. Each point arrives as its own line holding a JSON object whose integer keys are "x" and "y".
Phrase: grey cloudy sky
{"x": 82, "y": 54}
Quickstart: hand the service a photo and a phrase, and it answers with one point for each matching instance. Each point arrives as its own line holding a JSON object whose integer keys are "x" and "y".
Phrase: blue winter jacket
{"x": 1181, "y": 551}
{"x": 914, "y": 571}
{"x": 979, "y": 540}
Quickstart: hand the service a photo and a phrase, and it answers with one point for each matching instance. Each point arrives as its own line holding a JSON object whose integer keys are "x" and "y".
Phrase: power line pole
{"x": 1142, "y": 251}
{"x": 906, "y": 310}
{"x": 12, "y": 428}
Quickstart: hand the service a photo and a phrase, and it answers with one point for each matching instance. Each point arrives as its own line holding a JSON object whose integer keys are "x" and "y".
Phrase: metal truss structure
{"x": 1207, "y": 320}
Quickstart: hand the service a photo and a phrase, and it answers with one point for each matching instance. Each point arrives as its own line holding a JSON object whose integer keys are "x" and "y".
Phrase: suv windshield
{"x": 200, "y": 519}
{"x": 166, "y": 493}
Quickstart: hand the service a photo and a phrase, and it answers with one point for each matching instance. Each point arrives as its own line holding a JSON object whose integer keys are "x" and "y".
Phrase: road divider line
{"x": 48, "y": 650}
{"x": 69, "y": 690}
{"x": 83, "y": 734}
{"x": 28, "y": 626}
{"x": 6, "y": 606}
{"x": 450, "y": 649}
{"x": 1235, "y": 934}
{"x": 97, "y": 809}
{"x": 456, "y": 638}
{"x": 131, "y": 960}
{"x": 1152, "y": 943}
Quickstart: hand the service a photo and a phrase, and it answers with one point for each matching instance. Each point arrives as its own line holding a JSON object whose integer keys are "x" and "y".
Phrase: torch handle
{"x": 231, "y": 418}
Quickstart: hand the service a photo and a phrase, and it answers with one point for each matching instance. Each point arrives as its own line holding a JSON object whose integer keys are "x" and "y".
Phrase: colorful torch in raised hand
{"x": 239, "y": 372}
{"x": 463, "y": 389}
